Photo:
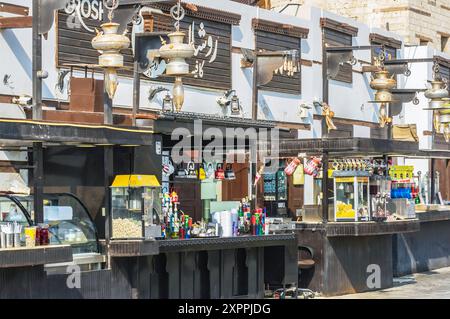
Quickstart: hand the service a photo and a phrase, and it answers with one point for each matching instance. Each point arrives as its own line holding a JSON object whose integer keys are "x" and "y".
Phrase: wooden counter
{"x": 28, "y": 257}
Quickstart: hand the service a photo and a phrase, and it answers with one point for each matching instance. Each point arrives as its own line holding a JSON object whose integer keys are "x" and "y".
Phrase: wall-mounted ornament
{"x": 329, "y": 115}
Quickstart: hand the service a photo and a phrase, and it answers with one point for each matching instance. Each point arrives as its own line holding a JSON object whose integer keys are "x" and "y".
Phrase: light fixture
{"x": 235, "y": 105}
{"x": 109, "y": 44}
{"x": 303, "y": 112}
{"x": 234, "y": 102}
{"x": 167, "y": 102}
{"x": 176, "y": 52}
{"x": 23, "y": 100}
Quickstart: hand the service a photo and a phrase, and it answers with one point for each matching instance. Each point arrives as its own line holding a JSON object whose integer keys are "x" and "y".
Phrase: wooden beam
{"x": 14, "y": 9}
{"x": 16, "y": 22}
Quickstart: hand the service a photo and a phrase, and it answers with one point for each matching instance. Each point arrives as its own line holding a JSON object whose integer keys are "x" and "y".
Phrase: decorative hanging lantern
{"x": 176, "y": 52}
{"x": 439, "y": 103}
{"x": 109, "y": 44}
{"x": 383, "y": 83}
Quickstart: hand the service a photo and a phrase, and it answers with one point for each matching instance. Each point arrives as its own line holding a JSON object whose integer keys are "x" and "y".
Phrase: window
{"x": 423, "y": 42}
{"x": 391, "y": 45}
{"x": 445, "y": 44}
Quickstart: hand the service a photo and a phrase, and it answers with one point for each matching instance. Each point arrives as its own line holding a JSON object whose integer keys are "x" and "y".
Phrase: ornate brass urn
{"x": 176, "y": 52}
{"x": 109, "y": 44}
{"x": 437, "y": 93}
{"x": 383, "y": 84}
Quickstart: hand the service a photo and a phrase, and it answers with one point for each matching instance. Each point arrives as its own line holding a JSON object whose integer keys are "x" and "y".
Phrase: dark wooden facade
{"x": 270, "y": 36}
{"x": 339, "y": 34}
{"x": 74, "y": 44}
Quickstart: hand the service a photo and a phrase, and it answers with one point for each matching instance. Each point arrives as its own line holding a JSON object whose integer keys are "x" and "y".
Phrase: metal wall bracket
{"x": 124, "y": 15}
{"x": 335, "y": 60}
{"x": 403, "y": 96}
{"x": 268, "y": 62}
{"x": 147, "y": 46}
{"x": 46, "y": 15}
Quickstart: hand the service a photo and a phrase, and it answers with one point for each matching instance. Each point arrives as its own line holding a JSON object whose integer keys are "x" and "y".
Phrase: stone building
{"x": 420, "y": 22}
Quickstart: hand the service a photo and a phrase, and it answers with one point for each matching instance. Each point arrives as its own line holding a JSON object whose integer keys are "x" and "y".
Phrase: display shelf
{"x": 25, "y": 257}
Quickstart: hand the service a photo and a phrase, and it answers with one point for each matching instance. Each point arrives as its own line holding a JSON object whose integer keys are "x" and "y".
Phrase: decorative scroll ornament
{"x": 328, "y": 114}
{"x": 109, "y": 44}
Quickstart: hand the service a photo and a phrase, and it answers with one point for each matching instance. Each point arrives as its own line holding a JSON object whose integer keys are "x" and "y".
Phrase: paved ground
{"x": 430, "y": 285}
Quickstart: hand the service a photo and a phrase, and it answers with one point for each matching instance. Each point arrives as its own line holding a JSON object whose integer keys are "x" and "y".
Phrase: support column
{"x": 136, "y": 92}
{"x": 325, "y": 83}
{"x": 38, "y": 182}
{"x": 108, "y": 163}
{"x": 37, "y": 63}
{"x": 325, "y": 187}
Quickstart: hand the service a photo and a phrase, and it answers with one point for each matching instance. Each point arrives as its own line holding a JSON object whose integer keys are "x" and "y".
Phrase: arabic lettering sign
{"x": 211, "y": 64}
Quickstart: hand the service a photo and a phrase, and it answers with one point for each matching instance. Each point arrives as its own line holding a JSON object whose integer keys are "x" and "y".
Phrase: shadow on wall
{"x": 22, "y": 56}
{"x": 264, "y": 107}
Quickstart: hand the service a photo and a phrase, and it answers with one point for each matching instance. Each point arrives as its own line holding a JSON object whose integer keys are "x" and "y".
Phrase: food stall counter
{"x": 34, "y": 256}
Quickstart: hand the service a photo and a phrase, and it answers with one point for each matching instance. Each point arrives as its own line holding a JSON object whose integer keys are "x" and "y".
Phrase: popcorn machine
{"x": 351, "y": 196}
{"x": 136, "y": 207}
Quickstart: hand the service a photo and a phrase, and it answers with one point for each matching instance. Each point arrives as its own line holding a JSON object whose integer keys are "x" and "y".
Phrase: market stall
{"x": 365, "y": 201}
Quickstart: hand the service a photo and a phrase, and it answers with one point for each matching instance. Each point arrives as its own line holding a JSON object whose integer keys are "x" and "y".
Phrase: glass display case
{"x": 68, "y": 219}
{"x": 136, "y": 207}
{"x": 351, "y": 200}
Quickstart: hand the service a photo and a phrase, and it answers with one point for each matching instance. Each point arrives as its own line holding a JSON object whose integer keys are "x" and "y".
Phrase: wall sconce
{"x": 167, "y": 101}
{"x": 23, "y": 100}
{"x": 303, "y": 112}
{"x": 234, "y": 103}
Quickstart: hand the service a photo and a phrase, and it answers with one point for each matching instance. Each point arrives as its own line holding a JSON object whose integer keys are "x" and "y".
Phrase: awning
{"x": 25, "y": 132}
{"x": 167, "y": 122}
{"x": 13, "y": 183}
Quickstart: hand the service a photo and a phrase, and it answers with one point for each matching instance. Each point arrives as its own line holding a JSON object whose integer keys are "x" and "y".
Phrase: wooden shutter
{"x": 339, "y": 34}
{"x": 336, "y": 38}
{"x": 270, "y": 36}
